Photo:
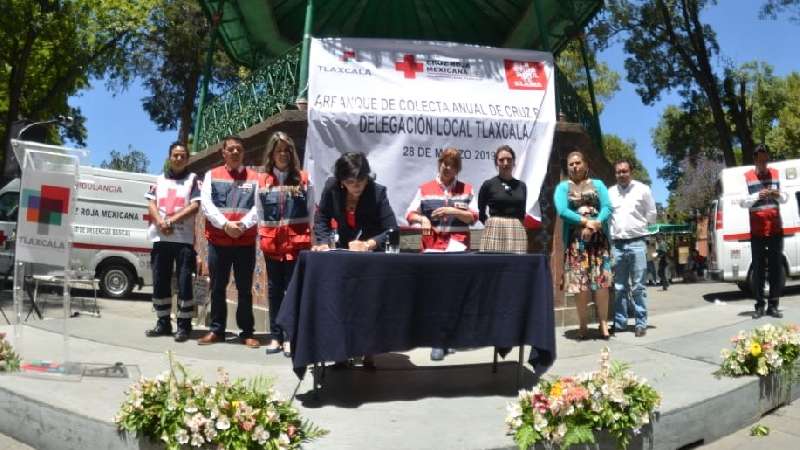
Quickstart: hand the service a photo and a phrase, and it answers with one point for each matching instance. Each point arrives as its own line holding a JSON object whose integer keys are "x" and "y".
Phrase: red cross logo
{"x": 347, "y": 55}
{"x": 171, "y": 202}
{"x": 409, "y": 66}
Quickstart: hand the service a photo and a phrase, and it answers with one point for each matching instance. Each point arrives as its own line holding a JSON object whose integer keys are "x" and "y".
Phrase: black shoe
{"x": 437, "y": 354}
{"x": 759, "y": 313}
{"x": 182, "y": 335}
{"x": 773, "y": 312}
{"x": 159, "y": 330}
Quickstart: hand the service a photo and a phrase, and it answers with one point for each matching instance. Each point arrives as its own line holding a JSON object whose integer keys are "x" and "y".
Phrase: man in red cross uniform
{"x": 227, "y": 198}
{"x": 172, "y": 203}
{"x": 766, "y": 230}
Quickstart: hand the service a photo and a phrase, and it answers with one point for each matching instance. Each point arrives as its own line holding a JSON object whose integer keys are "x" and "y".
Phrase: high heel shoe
{"x": 604, "y": 336}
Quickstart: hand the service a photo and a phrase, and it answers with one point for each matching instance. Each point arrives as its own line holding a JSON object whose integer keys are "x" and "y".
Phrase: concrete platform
{"x": 409, "y": 402}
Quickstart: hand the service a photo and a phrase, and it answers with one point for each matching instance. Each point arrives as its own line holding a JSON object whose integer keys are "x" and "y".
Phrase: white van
{"x": 109, "y": 229}
{"x": 729, "y": 226}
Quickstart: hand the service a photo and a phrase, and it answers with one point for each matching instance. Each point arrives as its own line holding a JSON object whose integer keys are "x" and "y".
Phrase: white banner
{"x": 45, "y": 218}
{"x": 403, "y": 102}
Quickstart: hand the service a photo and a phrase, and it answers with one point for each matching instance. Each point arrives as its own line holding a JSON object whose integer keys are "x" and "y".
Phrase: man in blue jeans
{"x": 633, "y": 209}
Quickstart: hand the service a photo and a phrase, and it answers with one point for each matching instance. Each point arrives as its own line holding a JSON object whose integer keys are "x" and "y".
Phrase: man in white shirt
{"x": 633, "y": 209}
{"x": 227, "y": 199}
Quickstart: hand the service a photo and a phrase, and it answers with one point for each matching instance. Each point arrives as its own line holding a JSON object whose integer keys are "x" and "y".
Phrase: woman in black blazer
{"x": 356, "y": 206}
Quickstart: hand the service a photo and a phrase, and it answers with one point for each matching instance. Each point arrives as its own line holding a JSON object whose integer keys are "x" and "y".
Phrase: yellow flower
{"x": 235, "y": 404}
{"x": 755, "y": 349}
{"x": 555, "y": 390}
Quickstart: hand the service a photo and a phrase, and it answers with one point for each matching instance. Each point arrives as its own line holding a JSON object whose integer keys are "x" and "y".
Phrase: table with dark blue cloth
{"x": 342, "y": 304}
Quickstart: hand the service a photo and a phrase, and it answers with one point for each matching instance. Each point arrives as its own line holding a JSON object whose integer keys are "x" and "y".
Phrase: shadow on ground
{"x": 398, "y": 379}
{"x": 736, "y": 295}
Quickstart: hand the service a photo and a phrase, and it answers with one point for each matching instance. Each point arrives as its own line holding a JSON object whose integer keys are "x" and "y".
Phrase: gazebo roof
{"x": 254, "y": 30}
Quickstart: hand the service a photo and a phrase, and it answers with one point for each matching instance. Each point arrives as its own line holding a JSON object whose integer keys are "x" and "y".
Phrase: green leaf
{"x": 580, "y": 434}
{"x": 759, "y": 430}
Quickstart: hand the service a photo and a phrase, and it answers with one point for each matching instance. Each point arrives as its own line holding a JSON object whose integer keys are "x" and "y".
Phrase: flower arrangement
{"x": 9, "y": 360}
{"x": 568, "y": 410}
{"x": 182, "y": 411}
{"x": 762, "y": 351}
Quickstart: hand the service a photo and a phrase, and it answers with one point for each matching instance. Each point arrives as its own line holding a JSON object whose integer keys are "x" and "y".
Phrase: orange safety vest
{"x": 765, "y": 215}
{"x": 432, "y": 196}
{"x": 284, "y": 219}
{"x": 234, "y": 194}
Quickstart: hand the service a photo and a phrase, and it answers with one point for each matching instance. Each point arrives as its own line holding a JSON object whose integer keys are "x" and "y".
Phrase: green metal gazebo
{"x": 271, "y": 37}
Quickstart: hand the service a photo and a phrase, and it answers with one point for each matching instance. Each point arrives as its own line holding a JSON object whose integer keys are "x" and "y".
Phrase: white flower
{"x": 211, "y": 433}
{"x": 182, "y": 436}
{"x": 260, "y": 434}
{"x": 223, "y": 423}
{"x": 197, "y": 440}
{"x": 283, "y": 441}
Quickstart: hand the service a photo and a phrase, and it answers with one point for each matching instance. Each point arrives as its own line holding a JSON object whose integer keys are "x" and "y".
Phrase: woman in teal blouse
{"x": 584, "y": 207}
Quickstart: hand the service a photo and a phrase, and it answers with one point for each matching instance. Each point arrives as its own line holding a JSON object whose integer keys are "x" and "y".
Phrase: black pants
{"x": 165, "y": 258}
{"x": 769, "y": 249}
{"x": 662, "y": 273}
{"x": 243, "y": 261}
{"x": 278, "y": 275}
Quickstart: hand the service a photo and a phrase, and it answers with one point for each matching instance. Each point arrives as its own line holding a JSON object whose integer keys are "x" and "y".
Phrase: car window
{"x": 9, "y": 205}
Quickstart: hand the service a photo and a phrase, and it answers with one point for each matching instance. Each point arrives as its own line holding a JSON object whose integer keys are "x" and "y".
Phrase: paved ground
{"x": 671, "y": 335}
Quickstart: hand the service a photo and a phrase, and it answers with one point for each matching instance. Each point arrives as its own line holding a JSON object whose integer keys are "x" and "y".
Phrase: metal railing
{"x": 266, "y": 92}
{"x": 572, "y": 106}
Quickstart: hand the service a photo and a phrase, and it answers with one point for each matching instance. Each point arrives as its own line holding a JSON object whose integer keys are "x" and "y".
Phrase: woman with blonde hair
{"x": 284, "y": 202}
{"x": 584, "y": 206}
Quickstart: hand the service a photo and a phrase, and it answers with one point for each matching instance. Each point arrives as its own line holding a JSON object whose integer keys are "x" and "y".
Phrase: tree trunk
{"x": 16, "y": 81}
{"x": 189, "y": 96}
{"x": 707, "y": 80}
{"x": 737, "y": 105}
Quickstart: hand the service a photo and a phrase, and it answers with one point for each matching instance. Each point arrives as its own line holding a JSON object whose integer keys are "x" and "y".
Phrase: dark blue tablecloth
{"x": 344, "y": 304}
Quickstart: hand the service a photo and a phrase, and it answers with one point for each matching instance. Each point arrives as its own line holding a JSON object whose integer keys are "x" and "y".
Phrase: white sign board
{"x": 45, "y": 217}
{"x": 403, "y": 102}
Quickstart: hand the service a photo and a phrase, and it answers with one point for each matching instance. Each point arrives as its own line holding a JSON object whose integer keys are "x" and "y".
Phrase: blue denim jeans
{"x": 630, "y": 272}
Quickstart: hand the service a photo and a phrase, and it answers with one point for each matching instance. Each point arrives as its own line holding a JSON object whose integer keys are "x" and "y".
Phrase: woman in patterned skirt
{"x": 583, "y": 205}
{"x": 505, "y": 196}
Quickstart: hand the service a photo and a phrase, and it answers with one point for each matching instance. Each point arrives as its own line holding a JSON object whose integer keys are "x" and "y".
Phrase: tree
{"x": 170, "y": 61}
{"x": 133, "y": 161}
{"x": 784, "y": 137}
{"x": 604, "y": 79}
{"x": 697, "y": 188}
{"x": 669, "y": 48}
{"x": 615, "y": 149}
{"x": 771, "y": 8}
{"x": 49, "y": 50}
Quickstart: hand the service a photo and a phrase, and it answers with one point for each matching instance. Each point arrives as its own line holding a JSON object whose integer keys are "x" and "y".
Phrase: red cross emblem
{"x": 347, "y": 55}
{"x": 171, "y": 202}
{"x": 409, "y": 66}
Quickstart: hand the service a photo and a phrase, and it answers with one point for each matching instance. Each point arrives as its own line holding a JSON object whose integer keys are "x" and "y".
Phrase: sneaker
{"x": 437, "y": 354}
{"x": 641, "y": 332}
{"x": 759, "y": 313}
{"x": 182, "y": 335}
{"x": 159, "y": 330}
{"x": 773, "y": 312}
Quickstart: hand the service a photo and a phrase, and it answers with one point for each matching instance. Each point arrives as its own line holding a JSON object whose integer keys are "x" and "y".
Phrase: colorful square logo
{"x": 45, "y": 207}
{"x": 526, "y": 75}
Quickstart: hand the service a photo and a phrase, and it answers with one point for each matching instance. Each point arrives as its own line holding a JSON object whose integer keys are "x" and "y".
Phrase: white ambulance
{"x": 729, "y": 226}
{"x": 109, "y": 228}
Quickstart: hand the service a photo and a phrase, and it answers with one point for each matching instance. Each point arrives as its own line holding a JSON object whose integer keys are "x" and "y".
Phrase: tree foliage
{"x": 615, "y": 149}
{"x": 170, "y": 60}
{"x": 772, "y": 8}
{"x": 669, "y": 48}
{"x": 50, "y": 50}
{"x": 686, "y": 132}
{"x": 604, "y": 79}
{"x": 696, "y": 189}
{"x": 132, "y": 161}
